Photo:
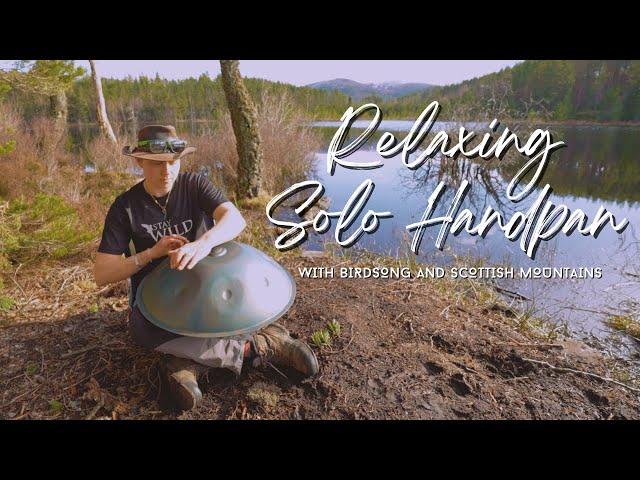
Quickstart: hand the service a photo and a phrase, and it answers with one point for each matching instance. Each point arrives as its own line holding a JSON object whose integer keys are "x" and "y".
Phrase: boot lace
{"x": 262, "y": 358}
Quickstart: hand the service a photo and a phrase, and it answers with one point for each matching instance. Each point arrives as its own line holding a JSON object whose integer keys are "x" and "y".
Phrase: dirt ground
{"x": 406, "y": 351}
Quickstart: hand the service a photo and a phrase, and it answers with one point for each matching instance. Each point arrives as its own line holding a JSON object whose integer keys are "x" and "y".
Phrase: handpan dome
{"x": 236, "y": 289}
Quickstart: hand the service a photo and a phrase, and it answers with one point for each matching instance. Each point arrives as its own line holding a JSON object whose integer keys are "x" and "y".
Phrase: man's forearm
{"x": 225, "y": 230}
{"x": 121, "y": 268}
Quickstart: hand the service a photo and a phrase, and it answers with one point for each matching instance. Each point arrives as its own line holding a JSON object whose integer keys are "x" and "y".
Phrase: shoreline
{"x": 512, "y": 121}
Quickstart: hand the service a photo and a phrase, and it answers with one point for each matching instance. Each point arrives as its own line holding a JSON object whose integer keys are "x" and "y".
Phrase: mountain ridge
{"x": 358, "y": 91}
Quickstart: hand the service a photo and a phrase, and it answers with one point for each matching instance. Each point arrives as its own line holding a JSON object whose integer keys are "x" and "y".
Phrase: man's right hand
{"x": 110, "y": 268}
{"x": 167, "y": 243}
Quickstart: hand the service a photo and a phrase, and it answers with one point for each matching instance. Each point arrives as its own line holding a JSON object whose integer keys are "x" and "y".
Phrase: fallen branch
{"x": 511, "y": 293}
{"x": 103, "y": 289}
{"x": 580, "y": 372}
{"x": 589, "y": 310}
{"x": 93, "y": 374}
{"x": 82, "y": 350}
{"x": 16, "y": 281}
{"x": 20, "y": 396}
{"x": 537, "y": 345}
{"x": 95, "y": 410}
{"x": 106, "y": 346}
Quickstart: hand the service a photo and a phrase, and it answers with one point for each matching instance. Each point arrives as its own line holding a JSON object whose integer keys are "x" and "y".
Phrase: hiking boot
{"x": 273, "y": 344}
{"x": 181, "y": 377}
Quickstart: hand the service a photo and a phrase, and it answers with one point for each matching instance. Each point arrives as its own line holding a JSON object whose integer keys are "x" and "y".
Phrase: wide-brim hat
{"x": 156, "y": 132}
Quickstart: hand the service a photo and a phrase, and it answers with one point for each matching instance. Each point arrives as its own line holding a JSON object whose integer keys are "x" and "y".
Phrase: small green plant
{"x": 9, "y": 225}
{"x": 334, "y": 328}
{"x": 55, "y": 405}
{"x": 625, "y": 324}
{"x": 32, "y": 369}
{"x": 93, "y": 308}
{"x": 321, "y": 338}
{"x": 7, "y": 147}
{"x": 6, "y": 302}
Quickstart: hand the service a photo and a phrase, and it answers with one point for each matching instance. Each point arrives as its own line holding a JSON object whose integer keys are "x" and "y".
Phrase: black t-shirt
{"x": 134, "y": 218}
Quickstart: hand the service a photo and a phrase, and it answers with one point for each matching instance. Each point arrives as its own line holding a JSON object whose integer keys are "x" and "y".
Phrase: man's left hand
{"x": 188, "y": 255}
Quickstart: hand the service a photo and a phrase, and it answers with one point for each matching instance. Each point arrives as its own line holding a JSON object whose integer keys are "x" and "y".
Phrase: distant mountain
{"x": 358, "y": 91}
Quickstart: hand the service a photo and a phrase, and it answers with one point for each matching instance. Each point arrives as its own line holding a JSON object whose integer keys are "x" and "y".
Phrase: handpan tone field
{"x": 236, "y": 289}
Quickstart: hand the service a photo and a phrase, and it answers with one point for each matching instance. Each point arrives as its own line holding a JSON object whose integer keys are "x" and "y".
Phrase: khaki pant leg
{"x": 212, "y": 352}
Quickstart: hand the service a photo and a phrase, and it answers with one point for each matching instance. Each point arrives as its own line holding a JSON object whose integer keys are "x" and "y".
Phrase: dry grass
{"x": 37, "y": 163}
{"x": 288, "y": 143}
{"x": 288, "y": 146}
{"x": 22, "y": 164}
{"x": 35, "y": 170}
{"x": 105, "y": 156}
{"x": 625, "y": 324}
{"x": 216, "y": 155}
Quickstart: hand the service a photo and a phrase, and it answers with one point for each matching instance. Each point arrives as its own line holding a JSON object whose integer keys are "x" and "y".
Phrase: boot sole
{"x": 315, "y": 366}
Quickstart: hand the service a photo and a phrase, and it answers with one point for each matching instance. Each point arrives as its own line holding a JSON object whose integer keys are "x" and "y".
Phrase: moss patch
{"x": 264, "y": 394}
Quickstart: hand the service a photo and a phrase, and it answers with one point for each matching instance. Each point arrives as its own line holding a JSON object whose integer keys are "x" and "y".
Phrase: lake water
{"x": 598, "y": 167}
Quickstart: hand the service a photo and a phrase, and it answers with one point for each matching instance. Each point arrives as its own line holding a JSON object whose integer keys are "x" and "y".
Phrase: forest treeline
{"x": 159, "y": 100}
{"x": 583, "y": 90}
{"x": 593, "y": 90}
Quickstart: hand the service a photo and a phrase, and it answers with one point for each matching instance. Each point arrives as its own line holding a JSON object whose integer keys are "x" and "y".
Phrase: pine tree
{"x": 244, "y": 119}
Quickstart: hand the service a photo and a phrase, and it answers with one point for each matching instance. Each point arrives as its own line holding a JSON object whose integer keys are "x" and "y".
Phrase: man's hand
{"x": 166, "y": 244}
{"x": 188, "y": 255}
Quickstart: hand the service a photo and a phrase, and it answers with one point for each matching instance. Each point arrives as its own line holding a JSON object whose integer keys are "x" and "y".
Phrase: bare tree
{"x": 497, "y": 100}
{"x": 244, "y": 119}
{"x": 535, "y": 105}
{"x": 101, "y": 109}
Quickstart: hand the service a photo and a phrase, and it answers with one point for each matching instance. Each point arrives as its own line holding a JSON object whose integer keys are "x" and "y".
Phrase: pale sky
{"x": 303, "y": 72}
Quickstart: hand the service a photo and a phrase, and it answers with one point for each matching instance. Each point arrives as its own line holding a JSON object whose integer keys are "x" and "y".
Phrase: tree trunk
{"x": 103, "y": 119}
{"x": 244, "y": 119}
{"x": 58, "y": 111}
{"x": 132, "y": 121}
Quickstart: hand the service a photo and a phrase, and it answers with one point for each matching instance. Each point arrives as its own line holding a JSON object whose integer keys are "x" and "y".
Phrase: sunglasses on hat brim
{"x": 162, "y": 146}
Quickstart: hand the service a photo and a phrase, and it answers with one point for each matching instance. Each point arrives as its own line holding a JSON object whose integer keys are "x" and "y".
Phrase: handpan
{"x": 236, "y": 289}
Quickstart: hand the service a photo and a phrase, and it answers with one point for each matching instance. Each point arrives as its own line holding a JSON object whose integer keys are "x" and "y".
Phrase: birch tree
{"x": 101, "y": 109}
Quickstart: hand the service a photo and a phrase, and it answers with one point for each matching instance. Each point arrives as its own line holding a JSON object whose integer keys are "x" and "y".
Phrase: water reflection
{"x": 598, "y": 167}
{"x": 597, "y": 162}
